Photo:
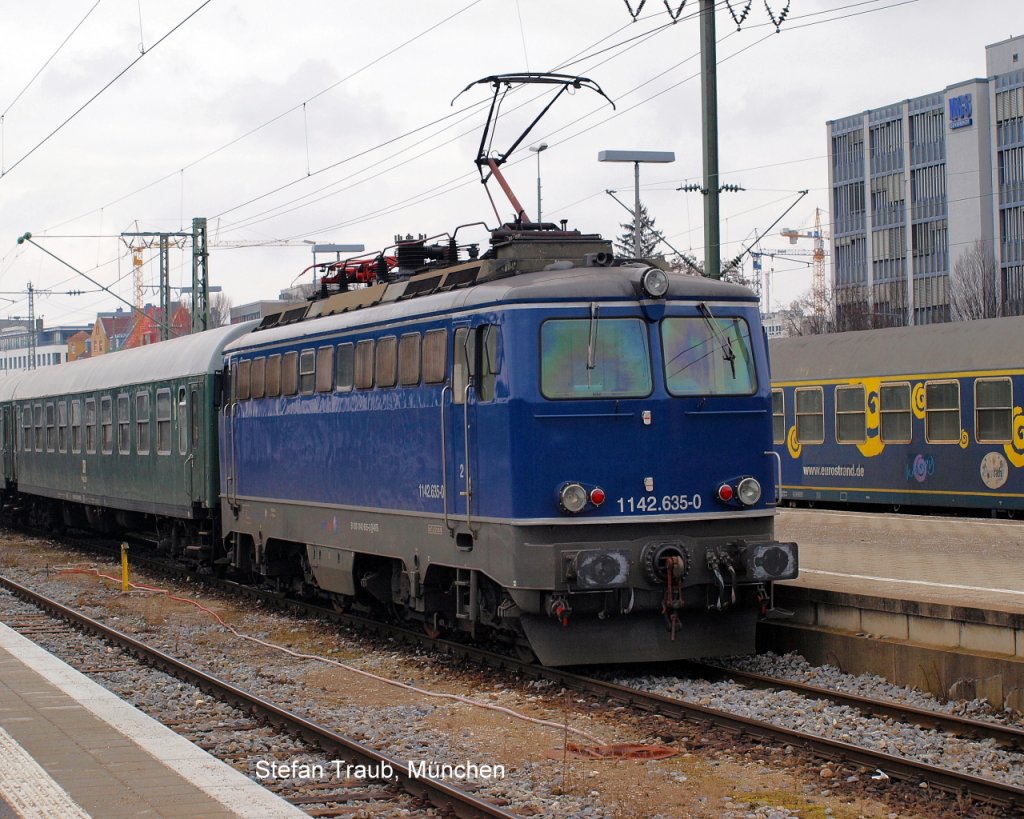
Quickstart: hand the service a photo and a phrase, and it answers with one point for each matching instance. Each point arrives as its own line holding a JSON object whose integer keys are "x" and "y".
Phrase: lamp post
{"x": 636, "y": 157}
{"x": 537, "y": 150}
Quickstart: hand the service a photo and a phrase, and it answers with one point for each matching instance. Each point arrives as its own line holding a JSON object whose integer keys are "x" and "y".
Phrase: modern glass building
{"x": 919, "y": 183}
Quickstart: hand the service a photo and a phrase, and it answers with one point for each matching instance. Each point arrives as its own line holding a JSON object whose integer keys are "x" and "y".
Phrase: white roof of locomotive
{"x": 176, "y": 358}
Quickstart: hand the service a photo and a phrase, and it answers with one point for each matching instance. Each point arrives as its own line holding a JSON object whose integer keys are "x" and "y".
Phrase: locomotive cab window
{"x": 851, "y": 415}
{"x": 942, "y": 412}
{"x": 895, "y": 416}
{"x": 594, "y": 358}
{"x": 708, "y": 356}
{"x": 106, "y": 425}
{"x": 778, "y": 416}
{"x": 993, "y": 410}
{"x": 810, "y": 415}
{"x": 124, "y": 424}
{"x": 307, "y": 372}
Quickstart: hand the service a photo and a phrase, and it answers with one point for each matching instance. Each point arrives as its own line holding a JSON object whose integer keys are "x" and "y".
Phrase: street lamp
{"x": 636, "y": 157}
{"x": 537, "y": 150}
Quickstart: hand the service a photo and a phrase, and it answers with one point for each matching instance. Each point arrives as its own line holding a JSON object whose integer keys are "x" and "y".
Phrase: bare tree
{"x": 220, "y": 309}
{"x": 848, "y": 310}
{"x": 973, "y": 293}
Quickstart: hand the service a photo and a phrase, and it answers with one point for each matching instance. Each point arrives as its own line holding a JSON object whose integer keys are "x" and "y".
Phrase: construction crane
{"x": 763, "y": 277}
{"x": 818, "y": 255}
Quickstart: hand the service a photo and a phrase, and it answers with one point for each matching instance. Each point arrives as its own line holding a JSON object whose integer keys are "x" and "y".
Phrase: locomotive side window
{"x": 708, "y": 356}
{"x": 51, "y": 427}
{"x": 810, "y": 415}
{"x": 364, "y": 365}
{"x": 90, "y": 424}
{"x": 39, "y": 427}
{"x": 106, "y": 425}
{"x": 325, "y": 369}
{"x": 409, "y": 360}
{"x": 942, "y": 411}
{"x": 778, "y": 416}
{"x": 258, "y": 378}
{"x": 124, "y": 424}
{"x": 851, "y": 415}
{"x": 594, "y": 358}
{"x": 163, "y": 422}
{"x": 307, "y": 372}
{"x": 290, "y": 374}
{"x": 895, "y": 417}
{"x": 62, "y": 426}
{"x": 242, "y": 380}
{"x": 463, "y": 362}
{"x": 993, "y": 410}
{"x": 387, "y": 361}
{"x": 344, "y": 366}
{"x": 487, "y": 340}
{"x": 76, "y": 425}
{"x": 435, "y": 356}
{"x": 142, "y": 423}
{"x": 273, "y": 376}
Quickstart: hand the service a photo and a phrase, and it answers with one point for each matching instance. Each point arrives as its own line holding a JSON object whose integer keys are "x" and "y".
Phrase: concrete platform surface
{"x": 70, "y": 748}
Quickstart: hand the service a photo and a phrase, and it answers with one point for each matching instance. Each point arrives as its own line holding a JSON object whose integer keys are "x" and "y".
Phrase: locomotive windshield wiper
{"x": 592, "y": 340}
{"x": 724, "y": 343}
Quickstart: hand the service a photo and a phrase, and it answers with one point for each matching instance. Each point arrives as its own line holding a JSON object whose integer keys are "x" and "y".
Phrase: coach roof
{"x": 177, "y": 358}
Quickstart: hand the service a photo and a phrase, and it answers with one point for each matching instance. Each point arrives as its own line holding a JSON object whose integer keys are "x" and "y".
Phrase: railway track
{"x": 348, "y": 752}
{"x": 1008, "y": 796}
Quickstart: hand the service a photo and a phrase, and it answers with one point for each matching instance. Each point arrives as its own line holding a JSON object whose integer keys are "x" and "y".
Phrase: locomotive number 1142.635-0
{"x": 665, "y": 503}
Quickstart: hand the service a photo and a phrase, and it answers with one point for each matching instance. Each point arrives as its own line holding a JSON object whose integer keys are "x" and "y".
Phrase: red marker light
{"x": 725, "y": 492}
{"x": 597, "y": 496}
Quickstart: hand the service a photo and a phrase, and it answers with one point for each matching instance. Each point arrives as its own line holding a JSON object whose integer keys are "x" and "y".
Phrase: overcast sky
{"x": 332, "y": 121}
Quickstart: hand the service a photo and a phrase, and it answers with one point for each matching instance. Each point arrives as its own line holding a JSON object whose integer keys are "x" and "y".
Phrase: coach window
{"x": 778, "y": 416}
{"x": 942, "y": 411}
{"x": 183, "y": 421}
{"x": 39, "y": 427}
{"x": 851, "y": 415}
{"x": 307, "y": 372}
{"x": 195, "y": 418}
{"x": 895, "y": 416}
{"x": 142, "y": 423}
{"x": 76, "y": 425}
{"x": 90, "y": 424}
{"x": 62, "y": 426}
{"x": 409, "y": 360}
{"x": 106, "y": 425}
{"x": 273, "y": 376}
{"x": 242, "y": 370}
{"x": 435, "y": 356}
{"x": 810, "y": 415}
{"x": 51, "y": 427}
{"x": 591, "y": 358}
{"x": 364, "y": 365}
{"x": 124, "y": 421}
{"x": 325, "y": 369}
{"x": 387, "y": 361}
{"x": 344, "y": 367}
{"x": 258, "y": 377}
{"x": 163, "y": 422}
{"x": 290, "y": 374}
{"x": 993, "y": 410}
{"x": 26, "y": 427}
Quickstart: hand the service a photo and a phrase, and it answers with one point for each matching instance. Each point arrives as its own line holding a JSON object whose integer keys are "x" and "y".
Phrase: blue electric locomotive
{"x": 925, "y": 416}
{"x": 539, "y": 445}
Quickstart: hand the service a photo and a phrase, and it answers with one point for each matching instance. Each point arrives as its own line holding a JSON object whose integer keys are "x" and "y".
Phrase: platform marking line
{"x": 911, "y": 582}
{"x": 29, "y": 789}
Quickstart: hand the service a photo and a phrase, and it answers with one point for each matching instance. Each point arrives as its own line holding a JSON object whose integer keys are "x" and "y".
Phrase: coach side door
{"x": 7, "y": 441}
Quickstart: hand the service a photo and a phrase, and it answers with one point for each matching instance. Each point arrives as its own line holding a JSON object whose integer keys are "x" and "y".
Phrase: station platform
{"x": 70, "y": 748}
{"x": 929, "y": 601}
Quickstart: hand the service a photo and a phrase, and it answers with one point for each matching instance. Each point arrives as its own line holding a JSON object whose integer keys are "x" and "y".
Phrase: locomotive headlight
{"x": 572, "y": 497}
{"x": 748, "y": 491}
{"x": 654, "y": 282}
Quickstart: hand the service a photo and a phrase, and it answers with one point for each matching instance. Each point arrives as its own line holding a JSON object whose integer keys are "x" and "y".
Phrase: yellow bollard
{"x": 124, "y": 567}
